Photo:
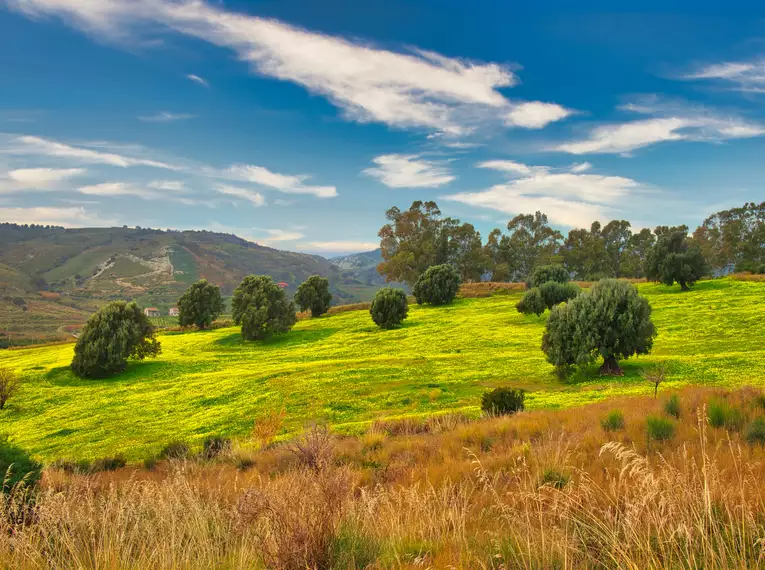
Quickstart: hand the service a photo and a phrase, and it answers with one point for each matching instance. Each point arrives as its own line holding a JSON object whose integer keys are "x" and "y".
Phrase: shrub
{"x": 531, "y": 303}
{"x": 150, "y": 463}
{"x": 118, "y": 331}
{"x": 17, "y": 468}
{"x": 721, "y": 414}
{"x": 389, "y": 308}
{"x": 215, "y": 446}
{"x": 503, "y": 401}
{"x": 200, "y": 305}
{"x": 613, "y": 421}
{"x": 554, "y": 478}
{"x": 672, "y": 406}
{"x": 437, "y": 286}
{"x": 175, "y": 450}
{"x": 546, "y": 273}
{"x": 9, "y": 385}
{"x": 554, "y": 293}
{"x": 109, "y": 463}
{"x": 313, "y": 294}
{"x": 755, "y": 433}
{"x": 261, "y": 308}
{"x": 659, "y": 429}
{"x": 612, "y": 321}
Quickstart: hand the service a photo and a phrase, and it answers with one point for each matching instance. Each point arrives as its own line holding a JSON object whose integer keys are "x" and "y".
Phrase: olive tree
{"x": 200, "y": 305}
{"x": 261, "y": 308}
{"x": 437, "y": 286}
{"x": 611, "y": 321}
{"x": 389, "y": 308}
{"x": 674, "y": 257}
{"x": 113, "y": 334}
{"x": 549, "y": 287}
{"x": 313, "y": 294}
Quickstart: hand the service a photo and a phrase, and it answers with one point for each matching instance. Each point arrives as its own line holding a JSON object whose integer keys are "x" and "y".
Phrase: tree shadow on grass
{"x": 136, "y": 370}
{"x": 292, "y": 338}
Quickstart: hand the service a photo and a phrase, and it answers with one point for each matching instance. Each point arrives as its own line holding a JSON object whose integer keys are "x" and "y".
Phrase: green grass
{"x": 345, "y": 371}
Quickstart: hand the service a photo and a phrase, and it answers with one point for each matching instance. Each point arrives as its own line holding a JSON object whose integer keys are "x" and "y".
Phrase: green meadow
{"x": 343, "y": 370}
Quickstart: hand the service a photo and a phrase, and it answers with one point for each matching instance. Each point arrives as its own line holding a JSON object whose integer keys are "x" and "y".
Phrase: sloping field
{"x": 345, "y": 371}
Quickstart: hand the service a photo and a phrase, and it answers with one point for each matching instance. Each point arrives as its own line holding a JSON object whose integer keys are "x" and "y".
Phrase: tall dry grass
{"x": 538, "y": 490}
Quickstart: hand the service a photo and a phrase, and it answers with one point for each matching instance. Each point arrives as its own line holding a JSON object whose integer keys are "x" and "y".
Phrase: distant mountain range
{"x": 81, "y": 268}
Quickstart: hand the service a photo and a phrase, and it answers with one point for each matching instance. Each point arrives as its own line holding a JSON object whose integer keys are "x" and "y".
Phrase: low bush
{"x": 150, "y": 463}
{"x": 389, "y": 308}
{"x": 672, "y": 406}
{"x": 554, "y": 478}
{"x": 503, "y": 401}
{"x": 437, "y": 286}
{"x": 722, "y": 415}
{"x": 175, "y": 450}
{"x": 17, "y": 468}
{"x": 531, "y": 303}
{"x": 659, "y": 429}
{"x": 215, "y": 446}
{"x": 109, "y": 463}
{"x": 545, "y": 273}
{"x": 755, "y": 433}
{"x": 613, "y": 421}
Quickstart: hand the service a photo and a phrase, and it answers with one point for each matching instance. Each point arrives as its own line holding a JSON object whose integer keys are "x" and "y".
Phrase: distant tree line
{"x": 420, "y": 237}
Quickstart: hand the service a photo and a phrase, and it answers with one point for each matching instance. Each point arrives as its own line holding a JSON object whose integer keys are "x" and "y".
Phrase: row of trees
{"x": 120, "y": 330}
{"x": 420, "y": 237}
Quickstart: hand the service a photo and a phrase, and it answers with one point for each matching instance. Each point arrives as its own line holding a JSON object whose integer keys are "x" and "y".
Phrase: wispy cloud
{"x": 169, "y": 185}
{"x": 274, "y": 236}
{"x": 408, "y": 171}
{"x": 66, "y": 217}
{"x": 255, "y": 198}
{"x": 669, "y": 122}
{"x": 287, "y": 183}
{"x": 25, "y": 145}
{"x": 746, "y": 76}
{"x": 166, "y": 117}
{"x": 580, "y": 167}
{"x": 30, "y": 179}
{"x": 341, "y": 246}
{"x": 197, "y": 79}
{"x": 404, "y": 89}
{"x": 568, "y": 198}
{"x": 121, "y": 189}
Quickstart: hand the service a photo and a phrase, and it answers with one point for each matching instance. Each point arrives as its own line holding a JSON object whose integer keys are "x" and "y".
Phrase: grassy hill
{"x": 345, "y": 371}
{"x": 51, "y": 278}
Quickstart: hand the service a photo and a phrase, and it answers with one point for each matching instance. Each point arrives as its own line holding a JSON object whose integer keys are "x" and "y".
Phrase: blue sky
{"x": 297, "y": 123}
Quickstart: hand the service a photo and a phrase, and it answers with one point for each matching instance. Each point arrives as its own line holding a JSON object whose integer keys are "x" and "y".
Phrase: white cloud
{"x": 567, "y": 198}
{"x": 339, "y": 246}
{"x": 286, "y": 183}
{"x": 580, "y": 167}
{"x": 66, "y": 217}
{"x": 274, "y": 236}
{"x": 166, "y": 117}
{"x": 120, "y": 189}
{"x": 745, "y": 76}
{"x": 535, "y": 114}
{"x": 170, "y": 185}
{"x": 506, "y": 166}
{"x": 197, "y": 79}
{"x": 27, "y": 179}
{"x": 38, "y": 146}
{"x": 251, "y": 196}
{"x": 408, "y": 171}
{"x": 401, "y": 89}
{"x": 623, "y": 138}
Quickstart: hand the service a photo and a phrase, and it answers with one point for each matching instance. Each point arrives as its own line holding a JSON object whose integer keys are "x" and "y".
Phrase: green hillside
{"x": 343, "y": 370}
{"x": 79, "y": 269}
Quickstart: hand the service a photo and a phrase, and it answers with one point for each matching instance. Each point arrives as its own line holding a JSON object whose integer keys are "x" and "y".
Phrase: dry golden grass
{"x": 757, "y": 277}
{"x": 543, "y": 489}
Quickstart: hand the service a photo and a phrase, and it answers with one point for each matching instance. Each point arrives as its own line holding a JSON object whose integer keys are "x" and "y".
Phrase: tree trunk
{"x": 684, "y": 286}
{"x": 610, "y": 367}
